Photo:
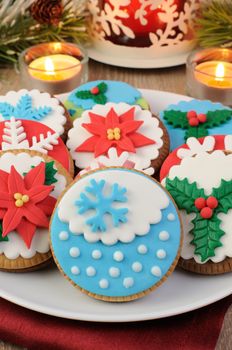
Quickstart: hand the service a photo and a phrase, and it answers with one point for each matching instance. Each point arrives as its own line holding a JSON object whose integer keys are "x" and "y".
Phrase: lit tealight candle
{"x": 54, "y": 67}
{"x": 215, "y": 74}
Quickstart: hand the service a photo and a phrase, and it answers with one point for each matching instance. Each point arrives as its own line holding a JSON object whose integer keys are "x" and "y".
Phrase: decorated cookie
{"x": 116, "y": 234}
{"x": 36, "y": 106}
{"x": 100, "y": 92}
{"x": 201, "y": 185}
{"x": 196, "y": 119}
{"x": 123, "y": 127}
{"x": 193, "y": 147}
{"x": 27, "y": 134}
{"x": 30, "y": 185}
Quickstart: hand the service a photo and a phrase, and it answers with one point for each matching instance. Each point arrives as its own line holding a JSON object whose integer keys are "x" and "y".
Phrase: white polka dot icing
{"x": 142, "y": 249}
{"x": 122, "y": 269}
{"x": 63, "y": 236}
{"x": 137, "y": 266}
{"x": 90, "y": 271}
{"x": 114, "y": 272}
{"x": 171, "y": 217}
{"x": 75, "y": 270}
{"x": 74, "y": 252}
{"x": 164, "y": 235}
{"x": 96, "y": 254}
{"x": 161, "y": 254}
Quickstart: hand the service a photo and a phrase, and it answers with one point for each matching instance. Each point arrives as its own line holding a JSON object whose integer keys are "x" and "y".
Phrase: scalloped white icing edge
{"x": 207, "y": 163}
{"x": 143, "y": 156}
{"x": 56, "y": 118}
{"x": 15, "y": 247}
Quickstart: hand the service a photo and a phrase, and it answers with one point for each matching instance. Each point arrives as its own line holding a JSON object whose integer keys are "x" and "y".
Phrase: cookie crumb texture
{"x": 116, "y": 234}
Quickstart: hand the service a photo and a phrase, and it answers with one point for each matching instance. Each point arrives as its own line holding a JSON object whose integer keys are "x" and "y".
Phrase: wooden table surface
{"x": 168, "y": 79}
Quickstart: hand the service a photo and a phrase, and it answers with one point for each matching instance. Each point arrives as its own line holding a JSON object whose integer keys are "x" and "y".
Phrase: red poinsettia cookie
{"x": 29, "y": 186}
{"x": 122, "y": 127}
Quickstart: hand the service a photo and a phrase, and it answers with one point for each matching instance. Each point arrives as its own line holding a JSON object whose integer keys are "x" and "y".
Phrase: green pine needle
{"x": 215, "y": 24}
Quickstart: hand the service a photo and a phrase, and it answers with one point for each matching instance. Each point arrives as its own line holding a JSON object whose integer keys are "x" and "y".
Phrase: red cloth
{"x": 195, "y": 330}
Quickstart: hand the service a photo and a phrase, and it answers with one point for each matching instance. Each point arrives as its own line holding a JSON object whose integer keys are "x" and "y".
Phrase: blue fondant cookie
{"x": 86, "y": 96}
{"x": 196, "y": 119}
{"x": 116, "y": 234}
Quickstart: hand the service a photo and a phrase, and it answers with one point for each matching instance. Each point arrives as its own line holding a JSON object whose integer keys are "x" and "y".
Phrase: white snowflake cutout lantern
{"x": 142, "y": 30}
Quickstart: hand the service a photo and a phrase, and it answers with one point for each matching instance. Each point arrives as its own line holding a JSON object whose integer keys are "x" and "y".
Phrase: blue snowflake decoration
{"x": 23, "y": 109}
{"x": 103, "y": 205}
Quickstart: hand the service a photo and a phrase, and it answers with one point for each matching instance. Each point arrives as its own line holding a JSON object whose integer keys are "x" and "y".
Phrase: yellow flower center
{"x": 114, "y": 134}
{"x": 20, "y": 199}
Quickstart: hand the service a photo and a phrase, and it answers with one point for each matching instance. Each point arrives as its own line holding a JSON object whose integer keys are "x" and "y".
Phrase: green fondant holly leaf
{"x": 224, "y": 197}
{"x": 216, "y": 118}
{"x": 198, "y": 132}
{"x": 84, "y": 95}
{"x": 142, "y": 103}
{"x": 177, "y": 119}
{"x": 100, "y": 99}
{"x": 2, "y": 239}
{"x": 102, "y": 87}
{"x": 207, "y": 234}
{"x": 184, "y": 193}
{"x": 50, "y": 173}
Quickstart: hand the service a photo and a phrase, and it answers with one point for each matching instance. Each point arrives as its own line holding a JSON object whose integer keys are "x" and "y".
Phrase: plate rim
{"x": 61, "y": 313}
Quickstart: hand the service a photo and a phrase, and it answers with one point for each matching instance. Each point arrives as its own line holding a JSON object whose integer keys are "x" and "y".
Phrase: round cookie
{"x": 36, "y": 106}
{"x": 28, "y": 134}
{"x": 201, "y": 185}
{"x": 124, "y": 127}
{"x": 115, "y": 234}
{"x": 100, "y": 92}
{"x": 195, "y": 119}
{"x": 30, "y": 185}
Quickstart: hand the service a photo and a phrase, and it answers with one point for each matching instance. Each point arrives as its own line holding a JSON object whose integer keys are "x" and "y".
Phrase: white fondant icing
{"x": 128, "y": 282}
{"x": 16, "y": 247}
{"x": 228, "y": 142}
{"x": 161, "y": 254}
{"x": 140, "y": 194}
{"x": 90, "y": 271}
{"x": 63, "y": 235}
{"x": 155, "y": 271}
{"x": 143, "y": 156}
{"x": 207, "y": 169}
{"x": 118, "y": 256}
{"x": 164, "y": 235}
{"x": 171, "y": 217}
{"x": 142, "y": 249}
{"x": 114, "y": 272}
{"x": 104, "y": 283}
{"x": 195, "y": 147}
{"x": 55, "y": 119}
{"x": 75, "y": 270}
{"x": 96, "y": 254}
{"x": 74, "y": 252}
{"x": 137, "y": 266}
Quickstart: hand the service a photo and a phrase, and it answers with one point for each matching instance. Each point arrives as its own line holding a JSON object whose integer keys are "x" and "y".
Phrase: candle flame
{"x": 220, "y": 71}
{"x": 49, "y": 66}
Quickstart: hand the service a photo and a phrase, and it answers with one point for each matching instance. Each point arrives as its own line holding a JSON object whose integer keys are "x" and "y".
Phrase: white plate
{"x": 107, "y": 58}
{"x": 48, "y": 292}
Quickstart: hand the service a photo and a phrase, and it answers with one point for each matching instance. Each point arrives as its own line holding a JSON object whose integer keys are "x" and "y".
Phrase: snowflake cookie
{"x": 27, "y": 134}
{"x": 122, "y": 127}
{"x": 201, "y": 185}
{"x": 195, "y": 118}
{"x": 100, "y": 92}
{"x": 30, "y": 185}
{"x": 116, "y": 234}
{"x": 36, "y": 106}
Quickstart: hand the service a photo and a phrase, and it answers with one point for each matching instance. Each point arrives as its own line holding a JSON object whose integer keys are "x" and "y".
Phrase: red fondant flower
{"x": 25, "y": 202}
{"x": 113, "y": 131}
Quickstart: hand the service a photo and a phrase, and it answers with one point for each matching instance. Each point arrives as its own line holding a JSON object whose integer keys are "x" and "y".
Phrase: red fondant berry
{"x": 212, "y": 202}
{"x": 191, "y": 114}
{"x": 94, "y": 90}
{"x": 206, "y": 213}
{"x": 202, "y": 118}
{"x": 193, "y": 122}
{"x": 200, "y": 203}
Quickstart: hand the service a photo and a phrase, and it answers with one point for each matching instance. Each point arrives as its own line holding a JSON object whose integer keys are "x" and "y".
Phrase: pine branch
{"x": 215, "y": 24}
